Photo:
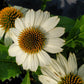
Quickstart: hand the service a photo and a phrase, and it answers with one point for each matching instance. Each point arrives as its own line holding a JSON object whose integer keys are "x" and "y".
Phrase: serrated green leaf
{"x": 66, "y": 22}
{"x": 8, "y": 67}
{"x": 26, "y": 80}
{"x": 76, "y": 29}
{"x": 8, "y": 70}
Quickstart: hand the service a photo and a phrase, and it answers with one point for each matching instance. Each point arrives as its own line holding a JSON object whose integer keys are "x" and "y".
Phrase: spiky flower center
{"x": 71, "y": 79}
{"x": 8, "y": 16}
{"x": 31, "y": 40}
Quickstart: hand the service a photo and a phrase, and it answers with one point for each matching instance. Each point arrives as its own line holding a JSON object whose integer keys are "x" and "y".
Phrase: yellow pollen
{"x": 8, "y": 16}
{"x": 71, "y": 79}
{"x": 31, "y": 40}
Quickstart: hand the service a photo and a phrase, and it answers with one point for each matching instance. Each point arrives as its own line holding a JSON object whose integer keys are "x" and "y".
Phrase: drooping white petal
{"x": 46, "y": 15}
{"x": 22, "y": 9}
{"x": 23, "y": 20}
{"x": 58, "y": 42}
{"x": 19, "y": 24}
{"x": 15, "y": 31}
{"x": 29, "y": 18}
{"x": 50, "y": 72}
{"x": 14, "y": 34}
{"x": 52, "y": 49}
{"x": 55, "y": 32}
{"x": 50, "y": 23}
{"x": 20, "y": 58}
{"x": 72, "y": 63}
{"x": 1, "y": 32}
{"x": 31, "y": 62}
{"x": 14, "y": 50}
{"x": 44, "y": 58}
{"x": 38, "y": 18}
{"x": 47, "y": 80}
{"x": 8, "y": 40}
{"x": 63, "y": 63}
{"x": 58, "y": 69}
{"x": 81, "y": 72}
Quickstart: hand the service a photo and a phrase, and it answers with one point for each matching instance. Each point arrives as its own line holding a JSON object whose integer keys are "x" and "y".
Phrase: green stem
{"x": 70, "y": 40}
{"x": 28, "y": 77}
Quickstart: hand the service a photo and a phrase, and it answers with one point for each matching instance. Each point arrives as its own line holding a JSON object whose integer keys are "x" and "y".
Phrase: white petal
{"x": 63, "y": 63}
{"x": 38, "y": 18}
{"x": 72, "y": 63}
{"x": 15, "y": 31}
{"x": 23, "y": 20}
{"x": 58, "y": 69}
{"x": 14, "y": 34}
{"x": 81, "y": 72}
{"x": 58, "y": 42}
{"x": 19, "y": 24}
{"x": 50, "y": 23}
{"x": 32, "y": 18}
{"x": 31, "y": 63}
{"x": 8, "y": 40}
{"x": 14, "y": 50}
{"x": 55, "y": 32}
{"x": 52, "y": 49}
{"x": 29, "y": 18}
{"x": 20, "y": 58}
{"x": 2, "y": 31}
{"x": 46, "y": 15}
{"x": 44, "y": 58}
{"x": 47, "y": 80}
{"x": 49, "y": 71}
{"x": 22, "y": 9}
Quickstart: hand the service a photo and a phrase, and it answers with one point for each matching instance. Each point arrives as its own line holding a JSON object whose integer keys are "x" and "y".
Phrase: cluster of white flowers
{"x": 31, "y": 36}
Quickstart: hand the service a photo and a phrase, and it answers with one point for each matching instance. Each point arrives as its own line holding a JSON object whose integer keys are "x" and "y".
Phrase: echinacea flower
{"x": 7, "y": 19}
{"x": 33, "y": 36}
{"x": 61, "y": 71}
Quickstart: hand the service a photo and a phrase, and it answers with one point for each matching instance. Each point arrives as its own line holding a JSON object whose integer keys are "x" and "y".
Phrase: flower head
{"x": 62, "y": 71}
{"x": 33, "y": 36}
{"x": 8, "y": 16}
{"x": 7, "y": 21}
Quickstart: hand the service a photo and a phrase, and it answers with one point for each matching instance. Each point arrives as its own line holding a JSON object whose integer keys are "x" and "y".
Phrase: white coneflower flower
{"x": 62, "y": 71}
{"x": 7, "y": 19}
{"x": 33, "y": 36}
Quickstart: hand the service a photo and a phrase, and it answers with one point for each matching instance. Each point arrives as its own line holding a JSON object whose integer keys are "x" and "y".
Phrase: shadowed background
{"x": 70, "y": 8}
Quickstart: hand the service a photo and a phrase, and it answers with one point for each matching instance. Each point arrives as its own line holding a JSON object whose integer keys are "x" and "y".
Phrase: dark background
{"x": 69, "y": 8}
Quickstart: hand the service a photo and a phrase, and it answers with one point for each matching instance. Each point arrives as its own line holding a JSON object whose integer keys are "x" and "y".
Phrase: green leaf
{"x": 76, "y": 29}
{"x": 76, "y": 33}
{"x": 26, "y": 80}
{"x": 35, "y": 74}
{"x": 66, "y": 22}
{"x": 8, "y": 70}
{"x": 82, "y": 28}
{"x": 81, "y": 35}
{"x": 8, "y": 66}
